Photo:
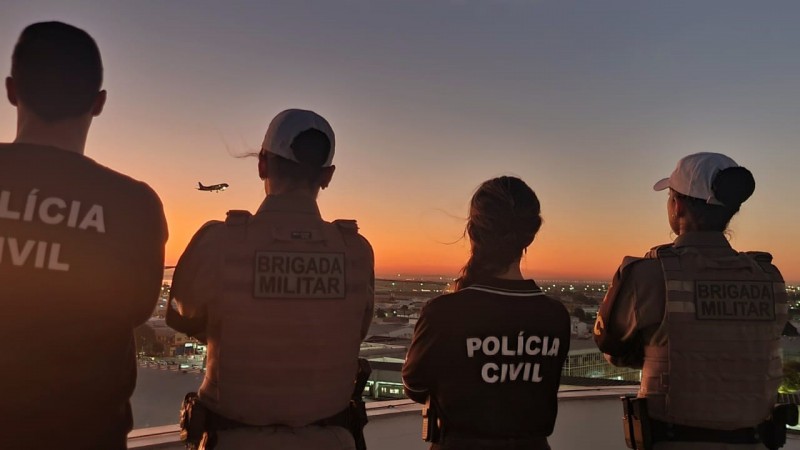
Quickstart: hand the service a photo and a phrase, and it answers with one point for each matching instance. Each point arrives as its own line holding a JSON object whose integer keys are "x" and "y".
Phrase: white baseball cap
{"x": 288, "y": 125}
{"x": 694, "y": 175}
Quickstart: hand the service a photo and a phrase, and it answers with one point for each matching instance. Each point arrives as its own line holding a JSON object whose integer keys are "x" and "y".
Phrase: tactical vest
{"x": 723, "y": 317}
{"x": 284, "y": 337}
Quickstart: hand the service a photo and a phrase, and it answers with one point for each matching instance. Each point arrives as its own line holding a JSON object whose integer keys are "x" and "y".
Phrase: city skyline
{"x": 590, "y": 104}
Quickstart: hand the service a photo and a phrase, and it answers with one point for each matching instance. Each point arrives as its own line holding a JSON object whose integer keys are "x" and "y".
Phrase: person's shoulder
{"x": 347, "y": 226}
{"x": 350, "y": 227}
{"x": 129, "y": 192}
{"x": 638, "y": 267}
{"x": 647, "y": 264}
{"x": 547, "y": 306}
{"x": 126, "y": 181}
{"x": 555, "y": 304}
{"x": 765, "y": 257}
{"x": 444, "y": 302}
{"x": 209, "y": 230}
{"x": 204, "y": 241}
{"x": 640, "y": 271}
{"x": 135, "y": 192}
{"x": 764, "y": 260}
{"x": 6, "y": 146}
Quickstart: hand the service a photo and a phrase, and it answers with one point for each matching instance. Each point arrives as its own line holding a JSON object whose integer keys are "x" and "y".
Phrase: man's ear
{"x": 11, "y": 91}
{"x": 99, "y": 103}
{"x": 326, "y": 176}
{"x": 262, "y": 167}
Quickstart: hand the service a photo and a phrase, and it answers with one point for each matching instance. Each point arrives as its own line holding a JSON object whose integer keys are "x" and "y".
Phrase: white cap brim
{"x": 661, "y": 185}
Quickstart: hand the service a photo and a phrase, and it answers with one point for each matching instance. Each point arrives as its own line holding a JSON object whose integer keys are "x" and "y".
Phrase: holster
{"x": 430, "y": 422}
{"x": 193, "y": 420}
{"x": 358, "y": 409}
{"x": 354, "y": 417}
{"x": 636, "y": 423}
{"x": 773, "y": 431}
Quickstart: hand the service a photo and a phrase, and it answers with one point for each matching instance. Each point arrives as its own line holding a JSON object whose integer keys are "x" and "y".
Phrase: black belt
{"x": 460, "y": 440}
{"x": 221, "y": 423}
{"x": 664, "y": 431}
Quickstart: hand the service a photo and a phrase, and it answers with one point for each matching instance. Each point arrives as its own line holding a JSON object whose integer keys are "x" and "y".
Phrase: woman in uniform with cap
{"x": 284, "y": 299}
{"x": 488, "y": 357}
{"x": 702, "y": 320}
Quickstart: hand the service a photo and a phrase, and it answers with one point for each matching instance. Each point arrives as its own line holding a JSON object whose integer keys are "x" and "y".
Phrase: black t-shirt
{"x": 81, "y": 264}
{"x": 491, "y": 356}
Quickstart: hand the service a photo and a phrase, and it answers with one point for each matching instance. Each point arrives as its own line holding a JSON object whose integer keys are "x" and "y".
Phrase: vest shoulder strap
{"x": 237, "y": 217}
{"x": 236, "y": 224}
{"x": 660, "y": 251}
{"x": 352, "y": 239}
{"x": 760, "y": 256}
{"x": 349, "y": 231}
{"x": 346, "y": 226}
{"x": 764, "y": 261}
{"x": 667, "y": 255}
{"x": 205, "y": 229}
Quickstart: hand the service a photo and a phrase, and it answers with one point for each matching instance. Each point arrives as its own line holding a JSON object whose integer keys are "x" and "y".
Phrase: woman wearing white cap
{"x": 702, "y": 320}
{"x": 284, "y": 299}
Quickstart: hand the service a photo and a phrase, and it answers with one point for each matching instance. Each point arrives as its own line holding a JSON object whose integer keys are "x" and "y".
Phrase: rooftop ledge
{"x": 396, "y": 425}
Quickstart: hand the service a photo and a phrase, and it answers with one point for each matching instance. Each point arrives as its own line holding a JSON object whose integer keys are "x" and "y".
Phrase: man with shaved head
{"x": 81, "y": 255}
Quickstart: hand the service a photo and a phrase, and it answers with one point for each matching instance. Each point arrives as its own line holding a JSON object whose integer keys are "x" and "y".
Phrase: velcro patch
{"x": 299, "y": 275}
{"x": 734, "y": 300}
{"x": 291, "y": 234}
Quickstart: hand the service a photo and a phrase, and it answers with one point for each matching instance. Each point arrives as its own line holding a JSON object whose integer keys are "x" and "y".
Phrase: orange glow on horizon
{"x": 408, "y": 257}
{"x": 429, "y": 243}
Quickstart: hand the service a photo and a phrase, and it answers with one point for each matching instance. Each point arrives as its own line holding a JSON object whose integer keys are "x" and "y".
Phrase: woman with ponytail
{"x": 488, "y": 357}
{"x": 702, "y": 320}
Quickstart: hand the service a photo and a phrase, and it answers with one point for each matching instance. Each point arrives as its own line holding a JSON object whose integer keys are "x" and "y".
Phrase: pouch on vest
{"x": 193, "y": 420}
{"x": 430, "y": 421}
{"x": 636, "y": 423}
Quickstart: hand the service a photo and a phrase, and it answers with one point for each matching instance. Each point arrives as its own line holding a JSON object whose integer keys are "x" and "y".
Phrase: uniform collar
{"x": 526, "y": 285}
{"x": 289, "y": 203}
{"x": 702, "y": 239}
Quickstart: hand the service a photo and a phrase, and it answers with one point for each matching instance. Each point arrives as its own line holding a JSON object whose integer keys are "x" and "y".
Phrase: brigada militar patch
{"x": 734, "y": 300}
{"x": 299, "y": 275}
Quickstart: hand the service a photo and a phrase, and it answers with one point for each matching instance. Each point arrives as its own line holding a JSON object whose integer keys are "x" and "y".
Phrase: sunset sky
{"x": 590, "y": 102}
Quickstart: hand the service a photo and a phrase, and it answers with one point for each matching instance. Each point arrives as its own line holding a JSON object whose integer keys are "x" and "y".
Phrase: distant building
{"x": 578, "y": 329}
{"x": 591, "y": 311}
{"x": 155, "y": 338}
{"x": 586, "y": 361}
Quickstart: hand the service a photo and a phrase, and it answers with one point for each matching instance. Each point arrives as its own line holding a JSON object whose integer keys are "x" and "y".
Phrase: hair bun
{"x": 732, "y": 186}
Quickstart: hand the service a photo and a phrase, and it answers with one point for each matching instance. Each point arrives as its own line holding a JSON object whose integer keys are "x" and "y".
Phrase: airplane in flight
{"x": 212, "y": 188}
